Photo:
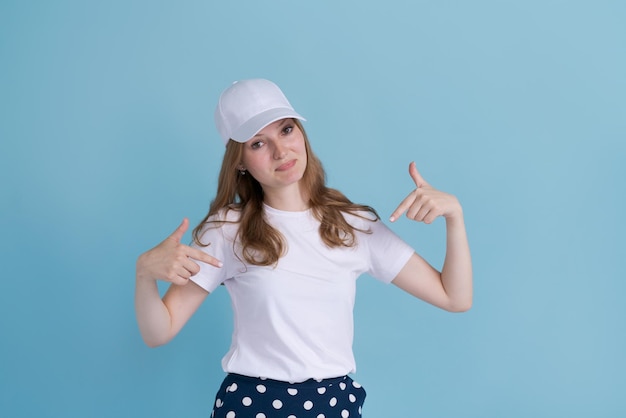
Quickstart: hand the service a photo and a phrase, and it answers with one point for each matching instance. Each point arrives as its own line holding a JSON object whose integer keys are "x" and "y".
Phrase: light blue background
{"x": 517, "y": 107}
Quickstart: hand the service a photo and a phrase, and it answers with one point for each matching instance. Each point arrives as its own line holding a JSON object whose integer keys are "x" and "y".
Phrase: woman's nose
{"x": 279, "y": 151}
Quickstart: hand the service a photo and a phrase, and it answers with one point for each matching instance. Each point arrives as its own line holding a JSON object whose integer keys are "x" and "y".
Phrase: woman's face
{"x": 276, "y": 156}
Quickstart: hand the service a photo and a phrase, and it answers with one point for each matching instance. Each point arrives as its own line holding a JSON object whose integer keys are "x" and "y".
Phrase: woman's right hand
{"x": 172, "y": 261}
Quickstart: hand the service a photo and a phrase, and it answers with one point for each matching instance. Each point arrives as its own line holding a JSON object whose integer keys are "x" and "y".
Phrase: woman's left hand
{"x": 426, "y": 203}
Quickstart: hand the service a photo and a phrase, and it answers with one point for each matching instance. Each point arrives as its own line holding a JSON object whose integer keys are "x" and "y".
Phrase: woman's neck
{"x": 291, "y": 199}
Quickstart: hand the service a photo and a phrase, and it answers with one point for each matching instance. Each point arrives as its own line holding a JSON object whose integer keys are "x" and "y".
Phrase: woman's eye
{"x": 287, "y": 130}
{"x": 256, "y": 145}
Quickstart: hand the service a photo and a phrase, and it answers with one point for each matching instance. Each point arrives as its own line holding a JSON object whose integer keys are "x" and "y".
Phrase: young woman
{"x": 289, "y": 250}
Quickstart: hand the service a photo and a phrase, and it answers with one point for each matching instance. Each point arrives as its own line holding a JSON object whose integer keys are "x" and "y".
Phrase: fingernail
{"x": 391, "y": 219}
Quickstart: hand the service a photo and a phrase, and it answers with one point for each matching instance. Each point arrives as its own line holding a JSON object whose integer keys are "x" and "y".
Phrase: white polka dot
{"x": 292, "y": 391}
{"x": 277, "y": 404}
{"x": 321, "y": 416}
{"x": 219, "y": 403}
{"x": 356, "y": 384}
{"x": 247, "y": 401}
{"x": 321, "y": 391}
{"x": 352, "y": 398}
{"x": 260, "y": 415}
{"x": 333, "y": 401}
{"x": 345, "y": 413}
{"x": 342, "y": 386}
{"x": 261, "y": 388}
{"x": 232, "y": 388}
{"x": 360, "y": 410}
{"x": 230, "y": 414}
{"x": 292, "y": 416}
{"x": 308, "y": 405}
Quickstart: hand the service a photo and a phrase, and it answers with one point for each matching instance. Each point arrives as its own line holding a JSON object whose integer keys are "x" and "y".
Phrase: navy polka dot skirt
{"x": 250, "y": 397}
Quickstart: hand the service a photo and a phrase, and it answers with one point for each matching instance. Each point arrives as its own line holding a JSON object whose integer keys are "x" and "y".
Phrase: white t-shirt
{"x": 294, "y": 321}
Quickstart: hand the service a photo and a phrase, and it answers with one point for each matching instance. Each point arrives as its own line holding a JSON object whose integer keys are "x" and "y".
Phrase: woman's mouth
{"x": 287, "y": 165}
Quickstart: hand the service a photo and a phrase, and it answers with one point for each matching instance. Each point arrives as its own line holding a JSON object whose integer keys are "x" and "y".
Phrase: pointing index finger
{"x": 402, "y": 207}
{"x": 200, "y": 255}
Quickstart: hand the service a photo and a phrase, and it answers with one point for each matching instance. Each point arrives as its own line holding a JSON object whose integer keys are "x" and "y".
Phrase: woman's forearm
{"x": 153, "y": 317}
{"x": 456, "y": 274}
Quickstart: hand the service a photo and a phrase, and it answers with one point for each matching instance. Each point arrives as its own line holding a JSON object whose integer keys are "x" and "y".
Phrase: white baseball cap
{"x": 248, "y": 106}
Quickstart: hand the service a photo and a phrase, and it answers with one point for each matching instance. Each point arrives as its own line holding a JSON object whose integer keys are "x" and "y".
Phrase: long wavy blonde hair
{"x": 262, "y": 244}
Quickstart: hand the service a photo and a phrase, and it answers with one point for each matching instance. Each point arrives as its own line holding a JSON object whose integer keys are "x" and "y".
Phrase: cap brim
{"x": 260, "y": 121}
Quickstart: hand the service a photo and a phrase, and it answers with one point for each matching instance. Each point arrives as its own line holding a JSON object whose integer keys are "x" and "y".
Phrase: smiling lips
{"x": 287, "y": 165}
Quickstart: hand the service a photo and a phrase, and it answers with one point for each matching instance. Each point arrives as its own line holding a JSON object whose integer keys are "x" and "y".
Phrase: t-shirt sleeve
{"x": 388, "y": 253}
{"x": 210, "y": 276}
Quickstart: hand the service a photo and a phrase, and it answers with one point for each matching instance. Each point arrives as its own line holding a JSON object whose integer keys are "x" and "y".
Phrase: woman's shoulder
{"x": 225, "y": 218}
{"x": 361, "y": 218}
{"x": 229, "y": 214}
